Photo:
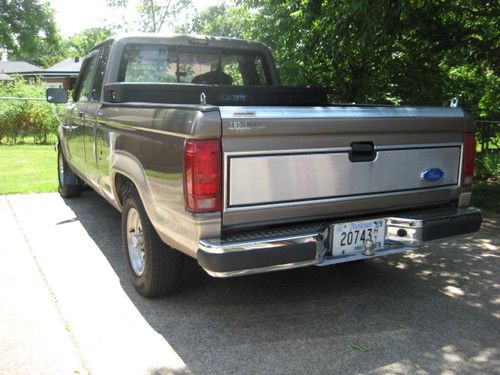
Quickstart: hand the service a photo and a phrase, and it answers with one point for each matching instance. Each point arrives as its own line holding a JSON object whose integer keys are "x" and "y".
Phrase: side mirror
{"x": 56, "y": 96}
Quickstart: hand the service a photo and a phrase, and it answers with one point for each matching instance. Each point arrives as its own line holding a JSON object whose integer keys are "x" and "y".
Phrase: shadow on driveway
{"x": 430, "y": 311}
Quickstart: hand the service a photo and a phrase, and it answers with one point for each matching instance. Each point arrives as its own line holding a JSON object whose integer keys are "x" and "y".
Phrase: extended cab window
{"x": 84, "y": 86}
{"x": 153, "y": 63}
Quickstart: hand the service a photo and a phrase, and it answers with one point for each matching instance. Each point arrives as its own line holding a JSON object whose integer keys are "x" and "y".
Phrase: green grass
{"x": 51, "y": 139}
{"x": 27, "y": 169}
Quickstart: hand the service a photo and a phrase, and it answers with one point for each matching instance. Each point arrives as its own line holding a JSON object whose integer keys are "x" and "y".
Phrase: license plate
{"x": 350, "y": 238}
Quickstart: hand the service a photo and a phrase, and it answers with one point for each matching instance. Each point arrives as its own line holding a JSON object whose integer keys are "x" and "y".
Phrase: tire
{"x": 70, "y": 185}
{"x": 155, "y": 268}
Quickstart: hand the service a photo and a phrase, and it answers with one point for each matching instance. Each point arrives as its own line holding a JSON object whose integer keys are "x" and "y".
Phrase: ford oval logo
{"x": 433, "y": 174}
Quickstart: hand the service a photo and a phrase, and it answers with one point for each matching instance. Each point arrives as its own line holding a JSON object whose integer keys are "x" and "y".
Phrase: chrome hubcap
{"x": 135, "y": 241}
{"x": 60, "y": 168}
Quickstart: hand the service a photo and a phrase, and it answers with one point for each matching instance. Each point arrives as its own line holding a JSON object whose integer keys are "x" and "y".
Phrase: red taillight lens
{"x": 202, "y": 175}
{"x": 468, "y": 158}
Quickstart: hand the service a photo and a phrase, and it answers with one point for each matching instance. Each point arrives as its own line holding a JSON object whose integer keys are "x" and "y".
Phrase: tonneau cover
{"x": 218, "y": 95}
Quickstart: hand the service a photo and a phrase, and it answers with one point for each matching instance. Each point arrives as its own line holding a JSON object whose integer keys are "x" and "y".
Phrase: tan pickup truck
{"x": 205, "y": 154}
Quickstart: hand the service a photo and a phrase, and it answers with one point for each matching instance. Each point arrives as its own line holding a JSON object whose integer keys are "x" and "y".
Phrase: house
{"x": 27, "y": 70}
{"x": 63, "y": 74}
{"x": 4, "y": 78}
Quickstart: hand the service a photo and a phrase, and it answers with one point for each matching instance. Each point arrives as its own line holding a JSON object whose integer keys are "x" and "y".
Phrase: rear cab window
{"x": 176, "y": 64}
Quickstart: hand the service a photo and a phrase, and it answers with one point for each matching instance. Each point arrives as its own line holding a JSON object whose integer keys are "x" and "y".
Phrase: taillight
{"x": 202, "y": 175}
{"x": 469, "y": 155}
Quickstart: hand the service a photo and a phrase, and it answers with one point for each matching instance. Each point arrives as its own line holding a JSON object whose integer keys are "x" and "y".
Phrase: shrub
{"x": 20, "y": 119}
{"x": 488, "y": 164}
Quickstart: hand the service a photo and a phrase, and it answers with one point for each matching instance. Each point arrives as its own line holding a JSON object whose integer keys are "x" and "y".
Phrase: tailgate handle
{"x": 362, "y": 151}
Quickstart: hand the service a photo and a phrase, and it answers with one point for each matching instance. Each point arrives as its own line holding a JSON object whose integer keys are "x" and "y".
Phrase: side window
{"x": 85, "y": 85}
{"x": 99, "y": 74}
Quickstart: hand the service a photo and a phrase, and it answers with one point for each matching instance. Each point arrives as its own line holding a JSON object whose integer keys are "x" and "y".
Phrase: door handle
{"x": 362, "y": 151}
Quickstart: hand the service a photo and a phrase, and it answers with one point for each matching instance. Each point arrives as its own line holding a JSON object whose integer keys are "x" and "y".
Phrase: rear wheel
{"x": 70, "y": 185}
{"x": 155, "y": 268}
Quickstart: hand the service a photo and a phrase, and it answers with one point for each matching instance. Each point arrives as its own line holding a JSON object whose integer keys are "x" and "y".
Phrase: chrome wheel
{"x": 60, "y": 168}
{"x": 135, "y": 241}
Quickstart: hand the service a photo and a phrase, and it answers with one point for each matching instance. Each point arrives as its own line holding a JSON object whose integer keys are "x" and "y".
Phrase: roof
{"x": 70, "y": 65}
{"x": 11, "y": 67}
{"x": 185, "y": 39}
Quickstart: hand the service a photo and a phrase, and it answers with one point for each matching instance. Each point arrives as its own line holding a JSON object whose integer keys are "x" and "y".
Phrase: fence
{"x": 488, "y": 135}
{"x": 23, "y": 99}
{"x": 27, "y": 119}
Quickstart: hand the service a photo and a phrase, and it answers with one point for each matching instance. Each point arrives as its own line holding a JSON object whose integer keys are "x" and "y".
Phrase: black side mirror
{"x": 56, "y": 96}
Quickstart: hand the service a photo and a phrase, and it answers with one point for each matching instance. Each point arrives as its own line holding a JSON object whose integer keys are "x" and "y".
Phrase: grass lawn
{"x": 27, "y": 169}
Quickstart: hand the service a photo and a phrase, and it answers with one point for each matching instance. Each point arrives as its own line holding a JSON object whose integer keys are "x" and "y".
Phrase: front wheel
{"x": 70, "y": 185}
{"x": 155, "y": 269}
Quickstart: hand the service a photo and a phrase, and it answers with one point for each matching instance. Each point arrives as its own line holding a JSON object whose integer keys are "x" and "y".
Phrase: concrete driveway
{"x": 66, "y": 306}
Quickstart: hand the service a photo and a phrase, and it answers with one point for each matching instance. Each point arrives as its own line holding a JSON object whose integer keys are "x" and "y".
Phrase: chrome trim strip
{"x": 114, "y": 124}
{"x": 217, "y": 247}
{"x": 315, "y": 262}
{"x": 228, "y": 155}
{"x": 348, "y": 111}
{"x": 164, "y": 132}
{"x": 403, "y": 222}
{"x": 461, "y": 165}
{"x": 339, "y": 149}
{"x": 288, "y": 152}
{"x": 332, "y": 200}
{"x": 225, "y": 182}
{"x": 312, "y": 176}
{"x": 419, "y": 145}
{"x": 278, "y": 267}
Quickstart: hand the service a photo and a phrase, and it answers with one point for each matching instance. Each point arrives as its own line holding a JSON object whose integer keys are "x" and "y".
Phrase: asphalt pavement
{"x": 66, "y": 306}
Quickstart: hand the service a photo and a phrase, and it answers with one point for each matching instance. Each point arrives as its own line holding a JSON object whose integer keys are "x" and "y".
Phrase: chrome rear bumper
{"x": 311, "y": 245}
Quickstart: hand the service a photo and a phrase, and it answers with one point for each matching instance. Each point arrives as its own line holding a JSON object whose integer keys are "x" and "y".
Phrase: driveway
{"x": 433, "y": 311}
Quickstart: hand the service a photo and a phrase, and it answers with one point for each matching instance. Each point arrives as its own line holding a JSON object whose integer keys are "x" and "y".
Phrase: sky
{"x": 74, "y": 16}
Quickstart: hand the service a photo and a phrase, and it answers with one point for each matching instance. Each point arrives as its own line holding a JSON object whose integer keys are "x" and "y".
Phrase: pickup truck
{"x": 205, "y": 154}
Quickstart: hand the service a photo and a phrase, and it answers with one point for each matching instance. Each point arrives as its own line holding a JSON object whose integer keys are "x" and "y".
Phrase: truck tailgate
{"x": 304, "y": 163}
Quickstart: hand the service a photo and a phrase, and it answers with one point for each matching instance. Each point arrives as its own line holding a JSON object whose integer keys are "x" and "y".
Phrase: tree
{"x": 223, "y": 20}
{"x": 155, "y": 14}
{"x": 44, "y": 54}
{"x": 385, "y": 51}
{"x": 27, "y": 29}
{"x": 81, "y": 43}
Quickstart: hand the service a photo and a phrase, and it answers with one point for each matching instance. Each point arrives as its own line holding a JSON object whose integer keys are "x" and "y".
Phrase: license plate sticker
{"x": 350, "y": 238}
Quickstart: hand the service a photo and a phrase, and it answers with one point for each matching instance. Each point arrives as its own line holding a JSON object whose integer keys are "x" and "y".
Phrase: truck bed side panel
{"x": 146, "y": 143}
